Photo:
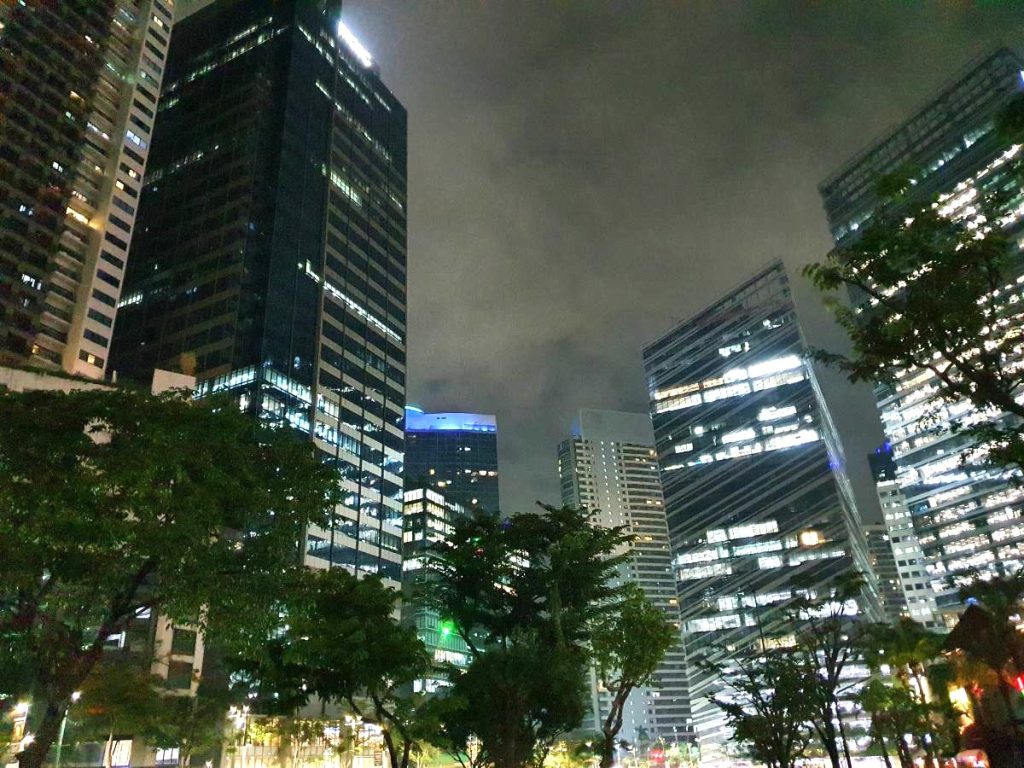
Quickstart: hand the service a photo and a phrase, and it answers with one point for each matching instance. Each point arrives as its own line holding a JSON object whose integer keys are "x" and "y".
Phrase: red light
{"x": 1018, "y": 683}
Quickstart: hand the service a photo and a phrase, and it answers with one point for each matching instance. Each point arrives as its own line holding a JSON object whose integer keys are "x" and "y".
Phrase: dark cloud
{"x": 583, "y": 174}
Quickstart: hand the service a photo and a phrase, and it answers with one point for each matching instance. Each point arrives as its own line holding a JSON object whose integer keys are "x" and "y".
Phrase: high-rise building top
{"x": 949, "y": 513}
{"x": 270, "y": 253}
{"x": 79, "y": 83}
{"x": 944, "y": 141}
{"x": 608, "y": 466}
{"x": 456, "y": 453}
{"x": 755, "y": 491}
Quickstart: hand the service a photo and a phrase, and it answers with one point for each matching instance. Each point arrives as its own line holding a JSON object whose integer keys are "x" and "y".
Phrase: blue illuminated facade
{"x": 456, "y": 453}
{"x": 270, "y": 251}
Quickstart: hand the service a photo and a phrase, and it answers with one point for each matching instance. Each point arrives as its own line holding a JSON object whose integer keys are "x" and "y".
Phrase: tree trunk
{"x": 906, "y": 759}
{"x": 612, "y": 725}
{"x": 885, "y": 751}
{"x": 607, "y": 750}
{"x": 827, "y": 734}
{"x": 35, "y": 753}
{"x": 842, "y": 735}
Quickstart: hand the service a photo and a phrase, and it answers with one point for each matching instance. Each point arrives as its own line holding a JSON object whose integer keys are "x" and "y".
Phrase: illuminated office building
{"x": 428, "y": 517}
{"x": 756, "y": 496}
{"x": 79, "y": 83}
{"x": 270, "y": 251}
{"x": 964, "y": 515}
{"x": 456, "y": 453}
{"x": 608, "y": 466}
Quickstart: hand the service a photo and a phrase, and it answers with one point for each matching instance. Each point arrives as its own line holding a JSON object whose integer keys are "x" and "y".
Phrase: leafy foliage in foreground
{"x": 116, "y": 502}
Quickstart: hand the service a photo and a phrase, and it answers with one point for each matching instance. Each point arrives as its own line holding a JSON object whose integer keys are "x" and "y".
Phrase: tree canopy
{"x": 524, "y": 594}
{"x": 627, "y": 645}
{"x": 118, "y": 503}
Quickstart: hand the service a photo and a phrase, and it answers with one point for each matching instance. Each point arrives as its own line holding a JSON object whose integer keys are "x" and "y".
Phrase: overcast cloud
{"x": 584, "y": 174}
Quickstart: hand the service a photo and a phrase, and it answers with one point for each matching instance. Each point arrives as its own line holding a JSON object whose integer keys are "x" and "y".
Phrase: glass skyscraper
{"x": 270, "y": 251}
{"x": 609, "y": 467}
{"x": 949, "y": 514}
{"x": 79, "y": 83}
{"x": 456, "y": 453}
{"x": 758, "y": 504}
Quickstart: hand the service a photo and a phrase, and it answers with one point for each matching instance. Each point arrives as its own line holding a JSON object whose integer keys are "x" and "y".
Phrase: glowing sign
{"x": 418, "y": 421}
{"x": 354, "y": 45}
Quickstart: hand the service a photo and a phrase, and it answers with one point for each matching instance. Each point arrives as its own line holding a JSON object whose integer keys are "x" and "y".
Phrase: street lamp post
{"x": 63, "y": 726}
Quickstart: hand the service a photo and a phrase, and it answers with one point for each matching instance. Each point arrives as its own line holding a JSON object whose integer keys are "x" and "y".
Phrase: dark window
{"x": 106, "y": 277}
{"x": 183, "y": 642}
{"x": 141, "y": 123}
{"x": 124, "y": 206}
{"x": 110, "y": 301}
{"x": 95, "y": 338}
{"x": 134, "y": 155}
{"x": 115, "y": 240}
{"x": 112, "y": 259}
{"x": 100, "y": 318}
{"x": 120, "y": 222}
{"x": 179, "y": 674}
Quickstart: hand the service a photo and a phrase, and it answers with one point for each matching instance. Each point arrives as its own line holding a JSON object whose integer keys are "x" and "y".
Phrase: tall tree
{"x": 114, "y": 503}
{"x": 628, "y": 644}
{"x": 895, "y": 712}
{"x": 823, "y": 624}
{"x": 768, "y": 708}
{"x": 523, "y": 593}
{"x": 903, "y": 650}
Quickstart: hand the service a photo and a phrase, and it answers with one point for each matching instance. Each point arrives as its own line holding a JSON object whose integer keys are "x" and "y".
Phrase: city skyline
{"x": 712, "y": 162}
{"x": 355, "y": 235}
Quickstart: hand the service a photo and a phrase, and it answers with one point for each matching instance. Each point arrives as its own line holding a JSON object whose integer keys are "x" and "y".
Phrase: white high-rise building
{"x": 75, "y": 126}
{"x": 609, "y": 467}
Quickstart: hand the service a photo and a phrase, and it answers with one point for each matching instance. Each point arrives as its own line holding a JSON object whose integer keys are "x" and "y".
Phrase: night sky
{"x": 584, "y": 174}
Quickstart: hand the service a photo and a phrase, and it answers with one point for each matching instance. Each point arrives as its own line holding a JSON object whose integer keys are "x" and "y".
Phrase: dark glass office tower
{"x": 456, "y": 453}
{"x": 270, "y": 252}
{"x": 758, "y": 504}
{"x": 964, "y": 515}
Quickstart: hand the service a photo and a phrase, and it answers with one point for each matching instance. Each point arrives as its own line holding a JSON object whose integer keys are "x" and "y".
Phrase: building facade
{"x": 759, "y": 507}
{"x": 906, "y": 553}
{"x": 270, "y": 251}
{"x": 890, "y": 586}
{"x": 608, "y": 466}
{"x": 455, "y": 453}
{"x": 428, "y": 518}
{"x": 962, "y": 516}
{"x": 79, "y": 85}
